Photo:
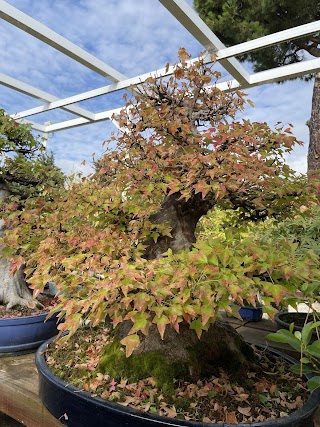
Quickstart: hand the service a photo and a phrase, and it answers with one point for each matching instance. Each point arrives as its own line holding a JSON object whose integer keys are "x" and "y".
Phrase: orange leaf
{"x": 231, "y": 418}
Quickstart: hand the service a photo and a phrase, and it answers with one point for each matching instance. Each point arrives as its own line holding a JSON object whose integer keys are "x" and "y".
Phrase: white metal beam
{"x": 125, "y": 84}
{"x": 194, "y": 24}
{"x": 40, "y": 94}
{"x": 270, "y": 40}
{"x": 221, "y": 54}
{"x": 270, "y": 76}
{"x": 286, "y": 72}
{"x": 35, "y": 126}
{"x": 67, "y": 124}
{"x": 43, "y": 33}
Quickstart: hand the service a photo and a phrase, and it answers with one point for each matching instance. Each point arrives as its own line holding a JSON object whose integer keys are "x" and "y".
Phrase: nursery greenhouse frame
{"x": 189, "y": 19}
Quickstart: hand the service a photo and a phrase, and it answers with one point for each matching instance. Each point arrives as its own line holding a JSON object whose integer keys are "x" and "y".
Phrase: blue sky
{"x": 133, "y": 37}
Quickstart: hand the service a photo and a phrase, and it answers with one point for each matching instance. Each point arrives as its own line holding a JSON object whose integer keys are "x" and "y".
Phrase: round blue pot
{"x": 25, "y": 334}
{"x": 253, "y": 314}
{"x": 75, "y": 408}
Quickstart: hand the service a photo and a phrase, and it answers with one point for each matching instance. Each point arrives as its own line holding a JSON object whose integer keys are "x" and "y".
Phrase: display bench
{"x": 19, "y": 392}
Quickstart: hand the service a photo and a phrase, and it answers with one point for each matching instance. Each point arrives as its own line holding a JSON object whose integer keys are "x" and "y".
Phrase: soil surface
{"x": 299, "y": 319}
{"x": 48, "y": 303}
{"x": 270, "y": 391}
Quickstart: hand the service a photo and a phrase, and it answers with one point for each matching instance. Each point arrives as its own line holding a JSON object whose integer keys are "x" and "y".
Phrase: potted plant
{"x": 251, "y": 313}
{"x": 302, "y": 341}
{"x": 285, "y": 319}
{"x": 28, "y": 177}
{"x": 140, "y": 296}
{"x": 21, "y": 332}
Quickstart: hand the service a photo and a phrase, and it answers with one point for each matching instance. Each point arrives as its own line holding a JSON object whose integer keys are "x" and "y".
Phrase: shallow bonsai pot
{"x": 253, "y": 314}
{"x": 25, "y": 334}
{"x": 75, "y": 408}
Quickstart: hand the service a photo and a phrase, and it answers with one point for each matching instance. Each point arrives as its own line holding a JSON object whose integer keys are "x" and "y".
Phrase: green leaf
{"x": 314, "y": 349}
{"x": 296, "y": 369}
{"x": 263, "y": 399}
{"x": 140, "y": 322}
{"x": 297, "y": 334}
{"x": 314, "y": 383}
{"x": 197, "y": 326}
{"x": 306, "y": 333}
{"x": 282, "y": 335}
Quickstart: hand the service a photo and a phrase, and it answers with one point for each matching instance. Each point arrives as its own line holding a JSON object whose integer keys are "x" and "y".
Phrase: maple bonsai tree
{"x": 26, "y": 172}
{"x": 122, "y": 243}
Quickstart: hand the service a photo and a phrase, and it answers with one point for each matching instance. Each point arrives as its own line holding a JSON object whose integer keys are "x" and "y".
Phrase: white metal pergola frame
{"x": 190, "y": 20}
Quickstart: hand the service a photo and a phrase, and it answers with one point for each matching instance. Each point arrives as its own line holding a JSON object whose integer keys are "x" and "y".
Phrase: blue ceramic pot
{"x": 253, "y": 314}
{"x": 25, "y": 334}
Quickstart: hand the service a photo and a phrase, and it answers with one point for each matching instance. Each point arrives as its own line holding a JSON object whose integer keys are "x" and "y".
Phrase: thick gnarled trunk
{"x": 314, "y": 128}
{"x": 13, "y": 288}
{"x": 182, "y": 216}
{"x": 218, "y": 347}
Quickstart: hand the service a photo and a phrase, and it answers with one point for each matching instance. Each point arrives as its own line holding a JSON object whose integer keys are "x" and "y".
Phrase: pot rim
{"x": 14, "y": 321}
{"x": 281, "y": 322}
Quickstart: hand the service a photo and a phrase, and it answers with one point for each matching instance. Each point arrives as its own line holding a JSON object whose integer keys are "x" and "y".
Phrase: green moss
{"x": 182, "y": 404}
{"x": 136, "y": 367}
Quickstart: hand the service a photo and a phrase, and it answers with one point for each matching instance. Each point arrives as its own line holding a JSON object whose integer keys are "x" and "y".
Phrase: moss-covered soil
{"x": 269, "y": 391}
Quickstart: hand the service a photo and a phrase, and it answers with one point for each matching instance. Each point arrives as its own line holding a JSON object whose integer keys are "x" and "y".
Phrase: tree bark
{"x": 219, "y": 347}
{"x": 13, "y": 288}
{"x": 182, "y": 216}
{"x": 314, "y": 128}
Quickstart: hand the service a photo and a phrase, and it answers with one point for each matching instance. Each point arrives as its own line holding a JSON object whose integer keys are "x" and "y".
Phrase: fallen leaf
{"x": 231, "y": 418}
{"x": 243, "y": 396}
{"x": 245, "y": 411}
{"x": 112, "y": 385}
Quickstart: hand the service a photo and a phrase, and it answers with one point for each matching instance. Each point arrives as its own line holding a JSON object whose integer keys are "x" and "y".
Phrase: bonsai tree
{"x": 26, "y": 171}
{"x": 239, "y": 21}
{"x": 122, "y": 243}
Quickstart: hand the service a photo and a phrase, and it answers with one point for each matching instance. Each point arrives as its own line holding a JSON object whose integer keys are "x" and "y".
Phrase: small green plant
{"x": 301, "y": 341}
{"x": 302, "y": 228}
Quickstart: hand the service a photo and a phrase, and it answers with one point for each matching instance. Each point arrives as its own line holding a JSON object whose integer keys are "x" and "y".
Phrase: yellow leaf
{"x": 213, "y": 56}
{"x": 130, "y": 342}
